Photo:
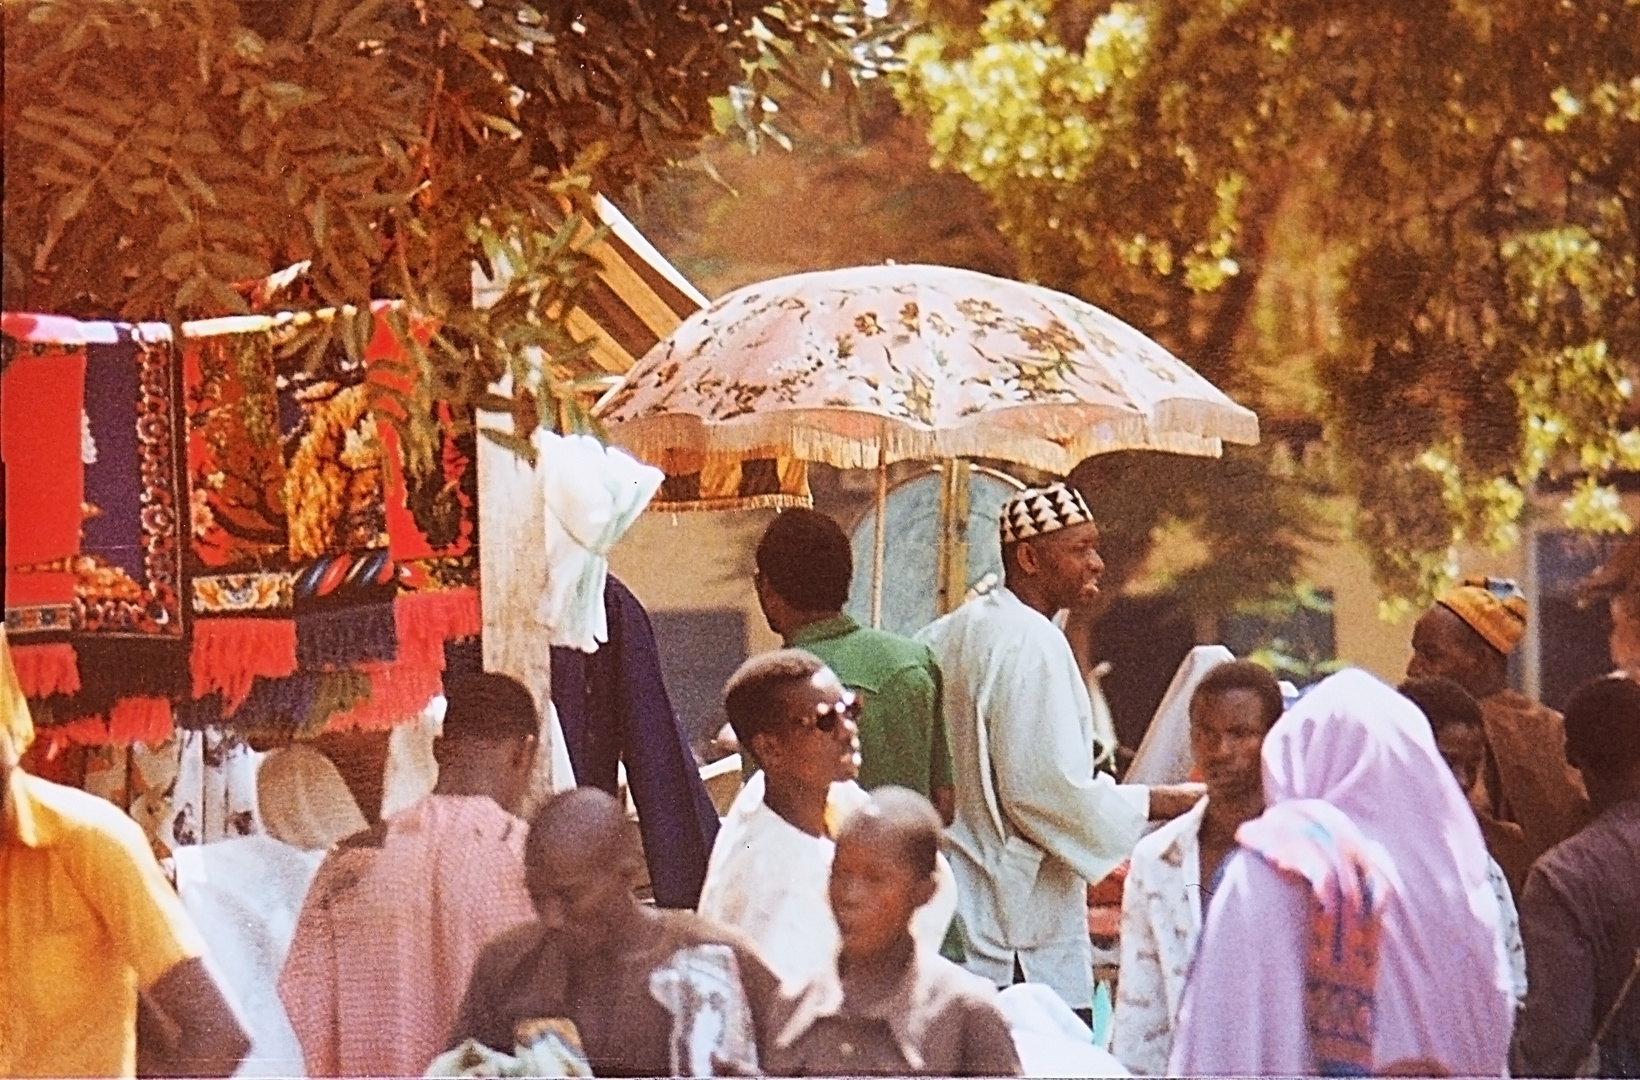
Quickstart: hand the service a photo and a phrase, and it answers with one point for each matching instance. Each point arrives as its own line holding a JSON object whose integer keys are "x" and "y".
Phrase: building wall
{"x": 696, "y": 562}
{"x": 1366, "y": 640}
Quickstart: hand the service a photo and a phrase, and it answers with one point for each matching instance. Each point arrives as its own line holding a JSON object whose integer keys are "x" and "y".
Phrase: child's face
{"x": 874, "y": 892}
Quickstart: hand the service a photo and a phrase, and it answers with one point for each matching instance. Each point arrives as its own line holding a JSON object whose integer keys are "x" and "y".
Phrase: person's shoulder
{"x": 952, "y": 985}
{"x": 74, "y": 815}
{"x": 1597, "y": 849}
{"x": 346, "y": 867}
{"x": 1511, "y": 700}
{"x": 977, "y": 607}
{"x": 888, "y": 646}
{"x": 510, "y": 944}
{"x": 690, "y": 928}
{"x": 374, "y": 836}
{"x": 1153, "y": 849}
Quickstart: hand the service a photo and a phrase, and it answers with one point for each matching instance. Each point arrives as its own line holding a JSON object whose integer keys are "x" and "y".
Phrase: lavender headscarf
{"x": 1442, "y": 987}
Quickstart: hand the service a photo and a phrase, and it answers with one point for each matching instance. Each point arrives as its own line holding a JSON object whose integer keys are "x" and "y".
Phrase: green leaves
{"x": 165, "y": 157}
{"x": 1428, "y": 216}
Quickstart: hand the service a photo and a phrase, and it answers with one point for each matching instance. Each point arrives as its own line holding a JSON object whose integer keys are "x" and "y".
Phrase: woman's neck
{"x": 800, "y": 805}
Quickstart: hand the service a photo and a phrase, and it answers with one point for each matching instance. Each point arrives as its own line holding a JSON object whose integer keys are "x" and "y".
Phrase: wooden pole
{"x": 953, "y": 551}
{"x": 879, "y": 540}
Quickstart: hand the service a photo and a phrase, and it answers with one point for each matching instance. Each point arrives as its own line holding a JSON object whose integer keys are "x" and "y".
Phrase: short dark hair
{"x": 486, "y": 706}
{"x": 751, "y": 697}
{"x": 1603, "y": 725}
{"x": 805, "y": 557}
{"x": 1243, "y": 675}
{"x": 915, "y": 825}
{"x": 1444, "y": 703}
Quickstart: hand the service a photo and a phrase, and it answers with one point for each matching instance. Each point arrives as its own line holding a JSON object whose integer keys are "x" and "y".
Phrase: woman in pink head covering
{"x": 1354, "y": 931}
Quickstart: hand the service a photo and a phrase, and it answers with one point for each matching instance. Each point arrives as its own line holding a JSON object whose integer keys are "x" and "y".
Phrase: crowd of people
{"x": 1437, "y": 879}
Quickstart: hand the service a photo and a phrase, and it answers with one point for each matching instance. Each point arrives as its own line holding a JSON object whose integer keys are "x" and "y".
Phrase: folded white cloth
{"x": 1050, "y": 1039}
{"x": 593, "y": 494}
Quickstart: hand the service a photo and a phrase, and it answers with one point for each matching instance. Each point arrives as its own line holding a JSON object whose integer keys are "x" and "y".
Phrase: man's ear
{"x": 765, "y": 748}
{"x": 924, "y": 890}
{"x": 1025, "y": 557}
{"x": 523, "y": 755}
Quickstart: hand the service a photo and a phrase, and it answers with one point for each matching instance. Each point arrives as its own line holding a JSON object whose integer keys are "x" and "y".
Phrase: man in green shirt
{"x": 804, "y": 568}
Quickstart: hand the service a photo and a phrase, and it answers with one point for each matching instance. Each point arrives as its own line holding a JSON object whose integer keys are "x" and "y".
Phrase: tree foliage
{"x": 160, "y": 152}
{"x": 1455, "y": 186}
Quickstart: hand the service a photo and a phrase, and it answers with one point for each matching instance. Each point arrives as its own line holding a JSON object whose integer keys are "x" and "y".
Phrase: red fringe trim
{"x": 228, "y": 653}
{"x": 140, "y": 719}
{"x": 398, "y": 693}
{"x": 43, "y": 670}
{"x": 90, "y": 731}
{"x": 426, "y": 620}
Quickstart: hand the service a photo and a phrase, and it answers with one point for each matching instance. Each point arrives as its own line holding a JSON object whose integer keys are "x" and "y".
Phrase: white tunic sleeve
{"x": 1041, "y": 752}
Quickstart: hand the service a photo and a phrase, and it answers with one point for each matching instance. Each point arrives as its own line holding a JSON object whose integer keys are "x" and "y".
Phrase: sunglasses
{"x": 826, "y": 715}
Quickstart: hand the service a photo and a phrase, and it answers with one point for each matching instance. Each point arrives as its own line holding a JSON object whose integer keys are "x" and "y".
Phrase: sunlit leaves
{"x": 1450, "y": 190}
{"x": 164, "y": 156}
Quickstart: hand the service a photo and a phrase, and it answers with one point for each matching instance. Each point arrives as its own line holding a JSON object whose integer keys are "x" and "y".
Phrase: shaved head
{"x": 582, "y": 824}
{"x": 579, "y": 866}
{"x": 900, "y": 820}
{"x": 887, "y": 856}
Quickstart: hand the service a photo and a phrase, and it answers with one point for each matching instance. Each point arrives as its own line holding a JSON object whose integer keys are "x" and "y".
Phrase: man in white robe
{"x": 1034, "y": 824}
{"x": 771, "y": 862}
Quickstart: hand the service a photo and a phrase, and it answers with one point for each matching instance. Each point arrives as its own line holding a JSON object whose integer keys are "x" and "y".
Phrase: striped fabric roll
{"x": 640, "y": 299}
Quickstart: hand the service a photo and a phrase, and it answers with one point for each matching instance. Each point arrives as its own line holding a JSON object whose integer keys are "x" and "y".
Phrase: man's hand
{"x": 1168, "y": 801}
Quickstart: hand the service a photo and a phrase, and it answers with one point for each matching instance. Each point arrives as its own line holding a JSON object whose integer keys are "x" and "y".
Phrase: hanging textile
{"x": 130, "y": 572}
{"x": 593, "y": 494}
{"x": 40, "y": 438}
{"x": 215, "y": 793}
{"x": 549, "y": 527}
{"x": 44, "y": 670}
{"x": 614, "y": 709}
{"x": 199, "y": 526}
{"x": 228, "y": 655}
{"x": 757, "y": 481}
{"x": 94, "y": 522}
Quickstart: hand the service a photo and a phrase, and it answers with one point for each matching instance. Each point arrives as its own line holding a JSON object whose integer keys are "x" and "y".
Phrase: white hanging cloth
{"x": 592, "y": 494}
{"x": 1164, "y": 754}
{"x": 545, "y": 533}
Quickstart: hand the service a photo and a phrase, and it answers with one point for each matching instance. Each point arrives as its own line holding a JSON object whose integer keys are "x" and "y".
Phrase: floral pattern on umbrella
{"x": 916, "y": 362}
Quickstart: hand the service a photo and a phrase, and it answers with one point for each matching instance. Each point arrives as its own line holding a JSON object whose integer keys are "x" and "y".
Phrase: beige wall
{"x": 695, "y": 562}
{"x": 1366, "y": 640}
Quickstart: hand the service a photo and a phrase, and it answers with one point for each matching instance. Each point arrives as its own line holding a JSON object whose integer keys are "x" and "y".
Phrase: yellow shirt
{"x": 86, "y": 920}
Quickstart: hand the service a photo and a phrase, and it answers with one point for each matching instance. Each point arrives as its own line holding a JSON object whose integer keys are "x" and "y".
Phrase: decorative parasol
{"x": 863, "y": 367}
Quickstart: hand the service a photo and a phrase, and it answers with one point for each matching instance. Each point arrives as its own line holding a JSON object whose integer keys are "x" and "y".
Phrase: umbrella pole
{"x": 880, "y": 538}
{"x": 953, "y": 543}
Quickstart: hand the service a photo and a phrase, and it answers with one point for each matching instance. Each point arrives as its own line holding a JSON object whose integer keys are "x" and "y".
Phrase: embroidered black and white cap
{"x": 1036, "y": 511}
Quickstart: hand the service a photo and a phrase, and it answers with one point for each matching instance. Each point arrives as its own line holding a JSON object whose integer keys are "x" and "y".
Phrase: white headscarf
{"x": 1164, "y": 754}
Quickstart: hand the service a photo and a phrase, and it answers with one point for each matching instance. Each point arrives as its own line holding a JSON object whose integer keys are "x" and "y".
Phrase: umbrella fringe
{"x": 1209, "y": 420}
{"x": 660, "y": 438}
{"x": 749, "y": 502}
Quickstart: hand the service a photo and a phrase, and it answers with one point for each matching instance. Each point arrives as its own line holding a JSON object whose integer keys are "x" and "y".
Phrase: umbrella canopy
{"x": 876, "y": 364}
